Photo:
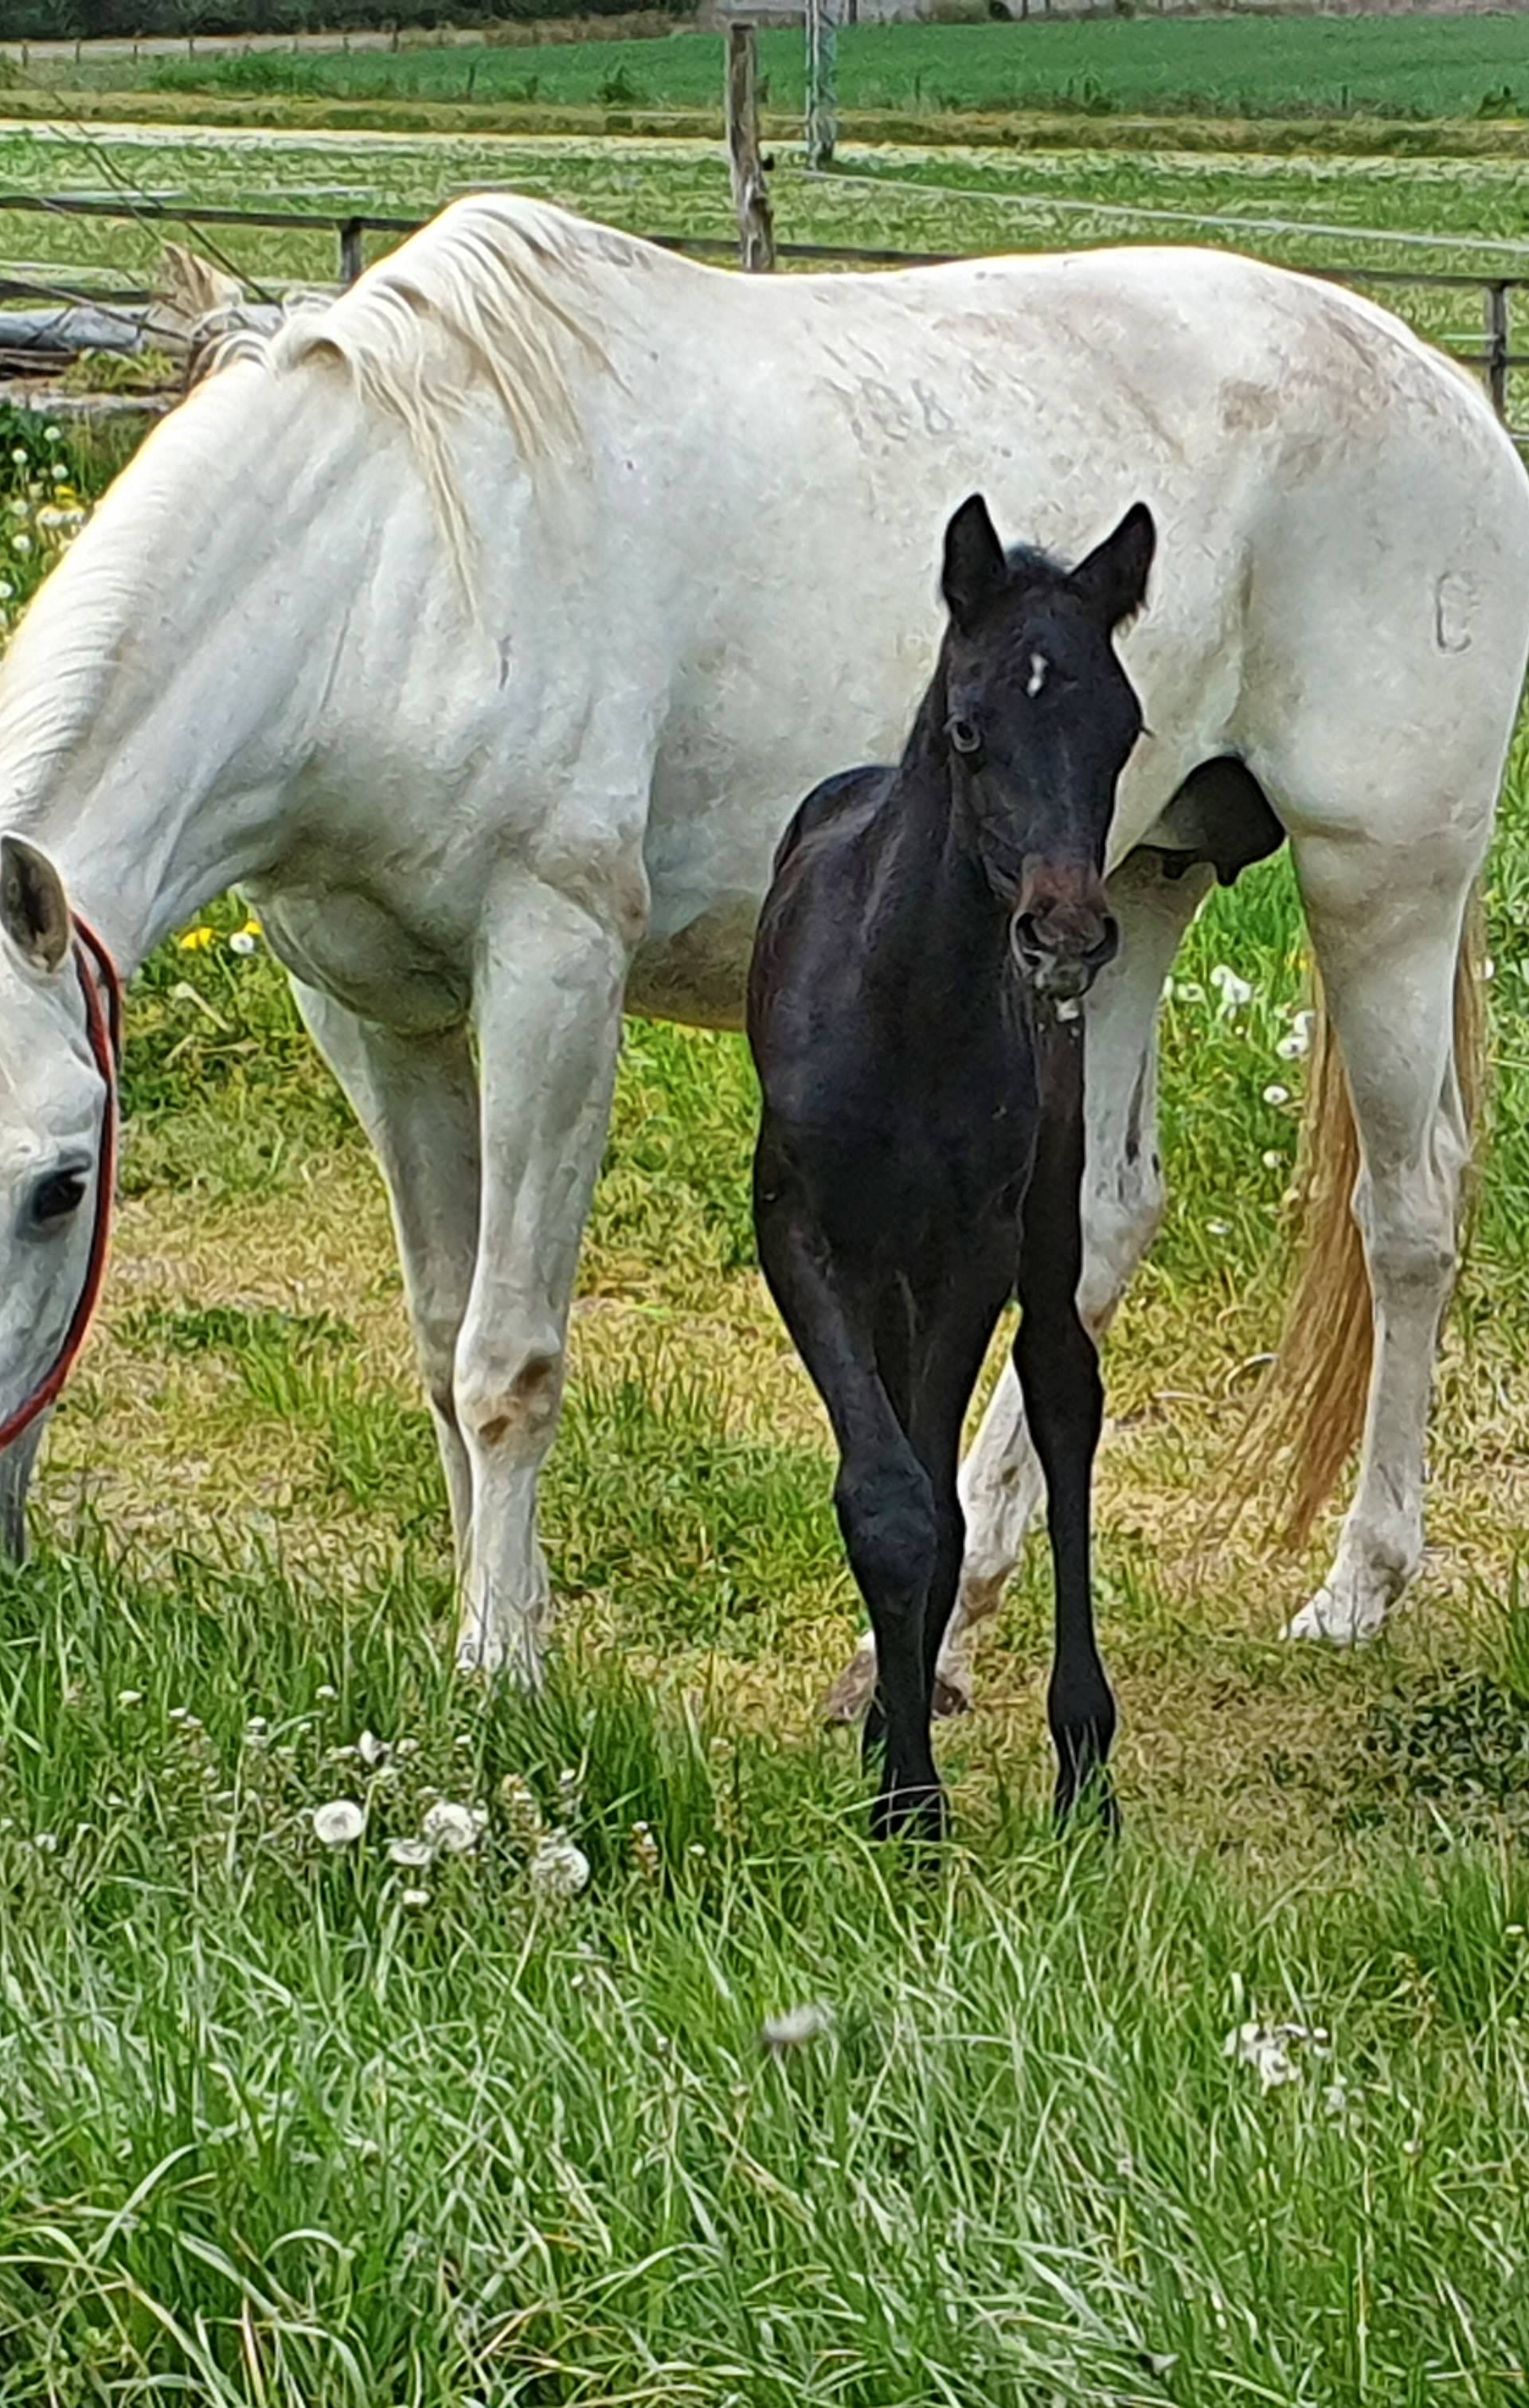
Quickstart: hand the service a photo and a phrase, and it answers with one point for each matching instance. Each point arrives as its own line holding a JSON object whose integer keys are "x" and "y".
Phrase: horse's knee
{"x": 890, "y": 1532}
{"x": 507, "y": 1400}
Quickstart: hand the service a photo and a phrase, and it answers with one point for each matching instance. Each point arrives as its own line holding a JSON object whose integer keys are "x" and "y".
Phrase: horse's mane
{"x": 494, "y": 295}
{"x": 497, "y": 294}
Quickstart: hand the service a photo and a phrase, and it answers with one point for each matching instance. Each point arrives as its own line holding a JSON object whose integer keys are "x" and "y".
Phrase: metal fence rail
{"x": 1493, "y": 360}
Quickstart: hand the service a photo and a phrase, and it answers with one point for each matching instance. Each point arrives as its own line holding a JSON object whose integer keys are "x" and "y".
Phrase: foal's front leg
{"x": 548, "y": 1005}
{"x": 882, "y": 1495}
{"x": 1058, "y": 1367}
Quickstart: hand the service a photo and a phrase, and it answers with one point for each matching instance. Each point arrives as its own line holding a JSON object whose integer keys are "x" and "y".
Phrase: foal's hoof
{"x": 1088, "y": 1801}
{"x": 846, "y": 1703}
{"x": 915, "y": 1814}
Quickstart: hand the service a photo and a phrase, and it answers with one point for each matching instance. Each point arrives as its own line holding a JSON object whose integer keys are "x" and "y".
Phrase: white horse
{"x": 488, "y": 624}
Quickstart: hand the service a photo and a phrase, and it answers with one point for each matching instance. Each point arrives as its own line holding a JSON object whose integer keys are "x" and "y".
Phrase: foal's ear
{"x": 975, "y": 571}
{"x": 33, "y": 908}
{"x": 1112, "y": 581}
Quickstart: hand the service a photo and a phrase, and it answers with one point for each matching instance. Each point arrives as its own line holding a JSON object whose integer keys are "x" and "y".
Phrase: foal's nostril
{"x": 1108, "y": 944}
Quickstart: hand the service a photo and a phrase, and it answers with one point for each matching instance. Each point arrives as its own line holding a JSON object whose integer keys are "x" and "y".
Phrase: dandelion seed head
{"x": 411, "y": 1854}
{"x": 1277, "y": 1094}
{"x": 454, "y": 1830}
{"x": 340, "y": 1822}
{"x": 811, "y": 2021}
{"x": 558, "y": 1869}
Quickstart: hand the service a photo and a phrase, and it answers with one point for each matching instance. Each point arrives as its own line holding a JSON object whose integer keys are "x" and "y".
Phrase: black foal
{"x": 913, "y": 1010}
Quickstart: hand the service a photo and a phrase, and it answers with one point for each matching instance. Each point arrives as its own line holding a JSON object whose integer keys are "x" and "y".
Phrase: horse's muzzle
{"x": 1061, "y": 948}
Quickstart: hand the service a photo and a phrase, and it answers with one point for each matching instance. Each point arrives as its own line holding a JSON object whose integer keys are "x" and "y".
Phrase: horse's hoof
{"x": 1092, "y": 1801}
{"x": 950, "y": 1698}
{"x": 915, "y": 1814}
{"x": 1335, "y": 1621}
{"x": 846, "y": 1703}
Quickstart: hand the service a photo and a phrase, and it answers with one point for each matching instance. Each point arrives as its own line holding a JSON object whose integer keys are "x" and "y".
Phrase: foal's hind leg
{"x": 1001, "y": 1483}
{"x": 417, "y": 1099}
{"x": 884, "y": 1495}
{"x": 1387, "y": 933}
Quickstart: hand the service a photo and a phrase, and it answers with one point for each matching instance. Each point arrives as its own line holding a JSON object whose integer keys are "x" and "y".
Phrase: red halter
{"x": 98, "y": 975}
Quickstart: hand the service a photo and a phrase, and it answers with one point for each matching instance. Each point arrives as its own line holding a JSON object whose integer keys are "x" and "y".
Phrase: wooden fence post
{"x": 353, "y": 259}
{"x": 750, "y": 197}
{"x": 823, "y": 100}
{"x": 1498, "y": 347}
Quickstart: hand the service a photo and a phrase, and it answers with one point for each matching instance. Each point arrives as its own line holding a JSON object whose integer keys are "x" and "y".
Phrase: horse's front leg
{"x": 1123, "y": 1201}
{"x": 548, "y": 1011}
{"x": 1058, "y": 1367}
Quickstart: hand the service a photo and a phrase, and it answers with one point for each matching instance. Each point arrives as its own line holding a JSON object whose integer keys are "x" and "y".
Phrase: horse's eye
{"x": 59, "y": 1195}
{"x": 963, "y": 735}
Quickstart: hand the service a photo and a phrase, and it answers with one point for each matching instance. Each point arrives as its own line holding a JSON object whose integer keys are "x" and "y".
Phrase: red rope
{"x": 98, "y": 975}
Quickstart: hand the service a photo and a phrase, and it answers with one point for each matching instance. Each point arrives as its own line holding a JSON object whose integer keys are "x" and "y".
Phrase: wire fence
{"x": 1490, "y": 355}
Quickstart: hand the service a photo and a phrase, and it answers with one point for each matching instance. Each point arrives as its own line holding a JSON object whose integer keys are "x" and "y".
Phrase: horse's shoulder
{"x": 843, "y": 800}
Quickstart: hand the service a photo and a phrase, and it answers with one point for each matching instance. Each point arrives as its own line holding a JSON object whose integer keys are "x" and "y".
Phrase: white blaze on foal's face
{"x": 52, "y": 1102}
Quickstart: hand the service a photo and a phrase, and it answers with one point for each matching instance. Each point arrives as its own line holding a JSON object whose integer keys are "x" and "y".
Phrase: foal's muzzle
{"x": 1061, "y": 946}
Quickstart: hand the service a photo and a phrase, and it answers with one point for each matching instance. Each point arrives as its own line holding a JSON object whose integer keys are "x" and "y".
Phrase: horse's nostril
{"x": 1108, "y": 944}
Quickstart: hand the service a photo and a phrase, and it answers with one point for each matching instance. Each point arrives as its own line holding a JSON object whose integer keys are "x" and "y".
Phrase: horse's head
{"x": 1040, "y": 720}
{"x": 57, "y": 1154}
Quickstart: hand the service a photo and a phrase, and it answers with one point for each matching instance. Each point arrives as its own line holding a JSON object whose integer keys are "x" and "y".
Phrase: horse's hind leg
{"x": 882, "y": 1496}
{"x": 417, "y": 1099}
{"x": 1387, "y": 931}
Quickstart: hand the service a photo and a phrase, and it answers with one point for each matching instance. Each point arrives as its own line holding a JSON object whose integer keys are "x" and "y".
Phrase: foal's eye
{"x": 963, "y": 735}
{"x": 58, "y": 1196}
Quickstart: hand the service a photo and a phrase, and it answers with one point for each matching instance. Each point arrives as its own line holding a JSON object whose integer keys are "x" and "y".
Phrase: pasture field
{"x": 1411, "y": 67}
{"x": 292, "y": 2126}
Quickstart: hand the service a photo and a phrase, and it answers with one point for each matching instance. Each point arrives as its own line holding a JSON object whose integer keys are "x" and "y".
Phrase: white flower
{"x": 1291, "y": 1048}
{"x": 1234, "y": 992}
{"x": 22, "y": 543}
{"x": 557, "y": 1869}
{"x": 340, "y": 1822}
{"x": 1272, "y": 1160}
{"x": 46, "y": 1843}
{"x": 372, "y": 1750}
{"x": 52, "y": 434}
{"x": 1489, "y": 967}
{"x": 1267, "y": 2048}
{"x": 7, "y": 592}
{"x": 241, "y": 941}
{"x": 454, "y": 1830}
{"x": 1219, "y": 1228}
{"x": 1277, "y": 1094}
{"x": 416, "y": 1897}
{"x": 797, "y": 2026}
{"x": 130, "y": 1696}
{"x": 1167, "y": 990}
{"x": 1191, "y": 991}
{"x": 59, "y": 473}
{"x": 412, "y": 1853}
{"x": 326, "y": 1691}
{"x": 18, "y": 457}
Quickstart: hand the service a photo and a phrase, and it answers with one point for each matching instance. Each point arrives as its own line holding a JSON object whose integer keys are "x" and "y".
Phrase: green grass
{"x": 292, "y": 2128}
{"x": 1238, "y": 66}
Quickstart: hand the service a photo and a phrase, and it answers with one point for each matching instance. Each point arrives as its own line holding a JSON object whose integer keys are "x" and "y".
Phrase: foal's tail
{"x": 1314, "y": 1400}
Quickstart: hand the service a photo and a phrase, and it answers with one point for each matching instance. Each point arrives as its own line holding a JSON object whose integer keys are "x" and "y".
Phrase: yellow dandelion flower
{"x": 196, "y": 941}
